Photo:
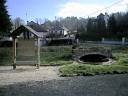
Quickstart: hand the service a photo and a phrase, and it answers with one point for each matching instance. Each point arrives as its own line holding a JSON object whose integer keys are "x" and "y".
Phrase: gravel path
{"x": 99, "y": 85}
{"x": 26, "y": 73}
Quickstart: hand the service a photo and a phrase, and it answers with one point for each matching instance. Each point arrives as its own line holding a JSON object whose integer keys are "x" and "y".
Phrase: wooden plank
{"x": 14, "y": 53}
{"x": 26, "y": 62}
{"x": 38, "y": 53}
{"x": 26, "y": 47}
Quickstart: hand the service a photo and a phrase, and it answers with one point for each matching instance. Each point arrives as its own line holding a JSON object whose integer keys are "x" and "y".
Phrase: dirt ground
{"x": 26, "y": 73}
{"x": 99, "y": 85}
{"x": 28, "y": 81}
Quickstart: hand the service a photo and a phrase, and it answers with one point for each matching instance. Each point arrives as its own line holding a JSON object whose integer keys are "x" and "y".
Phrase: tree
{"x": 126, "y": 25}
{"x": 5, "y": 22}
{"x": 47, "y": 25}
{"x": 112, "y": 25}
{"x": 121, "y": 25}
{"x": 17, "y": 22}
{"x": 101, "y": 26}
{"x": 39, "y": 21}
{"x": 91, "y": 26}
{"x": 91, "y": 33}
{"x": 81, "y": 29}
{"x": 70, "y": 23}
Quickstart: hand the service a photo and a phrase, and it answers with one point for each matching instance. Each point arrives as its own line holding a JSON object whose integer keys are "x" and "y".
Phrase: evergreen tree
{"x": 5, "y": 23}
{"x": 112, "y": 25}
{"x": 91, "y": 29}
{"x": 91, "y": 26}
{"x": 125, "y": 22}
{"x": 81, "y": 32}
{"x": 101, "y": 27}
{"x": 81, "y": 29}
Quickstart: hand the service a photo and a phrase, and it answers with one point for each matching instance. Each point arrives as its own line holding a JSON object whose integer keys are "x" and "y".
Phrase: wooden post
{"x": 38, "y": 53}
{"x": 14, "y": 53}
{"x": 102, "y": 40}
{"x": 123, "y": 40}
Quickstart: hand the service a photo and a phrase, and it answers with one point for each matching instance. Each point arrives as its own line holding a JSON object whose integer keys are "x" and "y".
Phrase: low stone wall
{"x": 78, "y": 52}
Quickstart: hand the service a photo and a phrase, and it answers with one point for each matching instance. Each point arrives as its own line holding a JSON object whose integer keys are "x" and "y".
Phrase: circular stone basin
{"x": 93, "y": 58}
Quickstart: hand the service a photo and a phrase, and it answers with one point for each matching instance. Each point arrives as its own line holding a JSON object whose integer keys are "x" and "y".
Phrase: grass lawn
{"x": 62, "y": 56}
{"x": 56, "y": 55}
{"x": 120, "y": 65}
{"x": 50, "y": 55}
{"x": 5, "y": 56}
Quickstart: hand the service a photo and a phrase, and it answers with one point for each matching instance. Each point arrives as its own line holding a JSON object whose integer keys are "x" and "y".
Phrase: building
{"x": 31, "y": 34}
{"x": 26, "y": 45}
{"x": 104, "y": 17}
{"x": 58, "y": 31}
{"x": 35, "y": 26}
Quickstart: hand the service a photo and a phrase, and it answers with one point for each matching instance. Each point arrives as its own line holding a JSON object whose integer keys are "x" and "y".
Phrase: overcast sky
{"x": 31, "y": 9}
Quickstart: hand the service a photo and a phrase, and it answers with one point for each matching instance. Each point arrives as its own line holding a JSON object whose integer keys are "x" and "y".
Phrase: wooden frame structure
{"x": 19, "y": 32}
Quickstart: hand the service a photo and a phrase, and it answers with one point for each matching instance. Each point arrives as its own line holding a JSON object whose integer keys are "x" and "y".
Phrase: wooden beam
{"x": 38, "y": 53}
{"x": 14, "y": 53}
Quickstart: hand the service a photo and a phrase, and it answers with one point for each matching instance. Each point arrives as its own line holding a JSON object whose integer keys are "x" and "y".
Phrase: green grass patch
{"x": 50, "y": 55}
{"x": 5, "y": 56}
{"x": 56, "y": 55}
{"x": 120, "y": 56}
{"x": 88, "y": 69}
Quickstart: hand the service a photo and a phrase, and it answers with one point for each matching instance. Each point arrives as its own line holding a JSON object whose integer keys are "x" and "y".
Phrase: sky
{"x": 29, "y": 10}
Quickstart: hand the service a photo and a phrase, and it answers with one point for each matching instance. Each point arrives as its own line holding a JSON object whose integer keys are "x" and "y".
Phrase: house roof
{"x": 57, "y": 28}
{"x": 35, "y": 26}
{"x": 65, "y": 28}
{"x": 23, "y": 28}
